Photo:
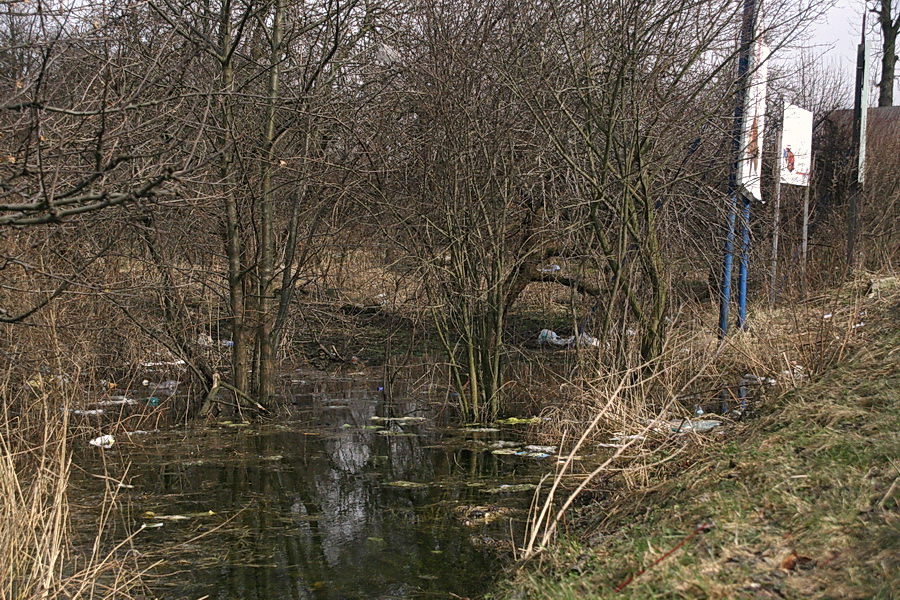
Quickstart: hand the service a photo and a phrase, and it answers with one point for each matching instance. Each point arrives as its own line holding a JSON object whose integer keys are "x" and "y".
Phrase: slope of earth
{"x": 800, "y": 502}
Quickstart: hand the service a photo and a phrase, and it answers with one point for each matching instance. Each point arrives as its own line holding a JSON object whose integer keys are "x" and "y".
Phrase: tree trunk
{"x": 265, "y": 326}
{"x": 233, "y": 247}
{"x": 889, "y": 53}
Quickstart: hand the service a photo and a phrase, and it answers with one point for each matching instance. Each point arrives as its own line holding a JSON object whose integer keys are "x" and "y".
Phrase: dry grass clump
{"x": 34, "y": 524}
{"x": 629, "y": 403}
{"x": 799, "y": 502}
{"x": 620, "y": 422}
{"x": 38, "y": 555}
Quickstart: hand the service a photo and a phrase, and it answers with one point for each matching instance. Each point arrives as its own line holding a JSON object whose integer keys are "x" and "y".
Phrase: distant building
{"x": 879, "y": 216}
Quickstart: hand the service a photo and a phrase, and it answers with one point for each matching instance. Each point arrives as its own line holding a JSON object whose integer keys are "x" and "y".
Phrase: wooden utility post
{"x": 860, "y": 117}
{"x": 773, "y": 268}
{"x": 805, "y": 235}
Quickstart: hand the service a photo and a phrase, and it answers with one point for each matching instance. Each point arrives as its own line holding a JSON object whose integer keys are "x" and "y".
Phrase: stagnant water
{"x": 320, "y": 504}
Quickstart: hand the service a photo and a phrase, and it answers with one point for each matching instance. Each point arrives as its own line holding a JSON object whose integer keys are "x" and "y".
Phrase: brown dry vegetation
{"x": 382, "y": 186}
{"x": 799, "y": 500}
{"x": 39, "y": 554}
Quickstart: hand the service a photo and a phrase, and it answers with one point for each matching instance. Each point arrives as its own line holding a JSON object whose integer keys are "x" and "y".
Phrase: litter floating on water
{"x": 407, "y": 484}
{"x": 505, "y": 444}
{"x": 153, "y": 515}
{"x": 562, "y": 459}
{"x": 504, "y": 451}
{"x": 104, "y": 441}
{"x": 151, "y": 525}
{"x": 480, "y": 429}
{"x": 398, "y": 419}
{"x": 508, "y": 488}
{"x": 522, "y": 453}
{"x": 532, "y": 454}
{"x": 544, "y": 449}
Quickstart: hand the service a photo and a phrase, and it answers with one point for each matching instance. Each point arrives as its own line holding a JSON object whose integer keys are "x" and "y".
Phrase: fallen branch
{"x": 211, "y": 398}
{"x": 701, "y": 528}
{"x": 579, "y": 285}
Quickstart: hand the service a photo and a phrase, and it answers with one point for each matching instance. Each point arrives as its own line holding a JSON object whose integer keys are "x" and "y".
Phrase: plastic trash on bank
{"x": 87, "y": 412}
{"x": 104, "y": 441}
{"x": 548, "y": 337}
{"x": 695, "y": 425}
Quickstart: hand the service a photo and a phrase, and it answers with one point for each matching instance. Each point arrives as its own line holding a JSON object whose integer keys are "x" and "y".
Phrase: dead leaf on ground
{"x": 795, "y": 561}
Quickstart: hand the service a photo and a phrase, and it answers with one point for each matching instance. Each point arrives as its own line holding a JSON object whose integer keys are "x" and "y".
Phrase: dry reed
{"x": 38, "y": 557}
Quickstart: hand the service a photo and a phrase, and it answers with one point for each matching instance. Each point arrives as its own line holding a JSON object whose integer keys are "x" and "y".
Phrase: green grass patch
{"x": 804, "y": 501}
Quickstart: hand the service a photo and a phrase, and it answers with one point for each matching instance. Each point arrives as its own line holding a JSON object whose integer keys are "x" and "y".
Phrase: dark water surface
{"x": 320, "y": 504}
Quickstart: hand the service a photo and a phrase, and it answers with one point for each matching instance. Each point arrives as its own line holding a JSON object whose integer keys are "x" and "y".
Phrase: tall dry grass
{"x": 630, "y": 403}
{"x": 618, "y": 419}
{"x": 39, "y": 556}
{"x": 34, "y": 511}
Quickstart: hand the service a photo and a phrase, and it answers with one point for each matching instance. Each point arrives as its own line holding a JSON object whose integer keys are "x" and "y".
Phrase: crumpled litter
{"x": 104, "y": 441}
{"x": 549, "y": 337}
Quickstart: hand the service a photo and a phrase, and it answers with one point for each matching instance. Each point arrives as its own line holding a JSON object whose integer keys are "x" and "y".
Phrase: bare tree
{"x": 271, "y": 65}
{"x": 889, "y": 22}
{"x": 81, "y": 129}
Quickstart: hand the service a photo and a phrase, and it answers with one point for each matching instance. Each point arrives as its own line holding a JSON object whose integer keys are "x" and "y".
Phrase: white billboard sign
{"x": 796, "y": 145}
{"x": 864, "y": 53}
{"x": 750, "y": 166}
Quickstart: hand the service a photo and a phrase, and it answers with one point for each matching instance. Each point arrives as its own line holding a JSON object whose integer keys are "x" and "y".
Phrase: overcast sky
{"x": 837, "y": 36}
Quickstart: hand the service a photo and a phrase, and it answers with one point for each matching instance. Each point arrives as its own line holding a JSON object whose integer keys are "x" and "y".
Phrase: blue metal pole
{"x": 747, "y": 30}
{"x": 745, "y": 264}
{"x": 725, "y": 299}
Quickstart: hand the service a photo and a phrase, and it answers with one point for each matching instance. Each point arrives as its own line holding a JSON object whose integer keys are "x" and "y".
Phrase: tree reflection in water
{"x": 315, "y": 518}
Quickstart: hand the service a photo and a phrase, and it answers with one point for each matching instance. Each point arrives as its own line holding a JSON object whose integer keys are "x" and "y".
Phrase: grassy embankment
{"x": 801, "y": 501}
